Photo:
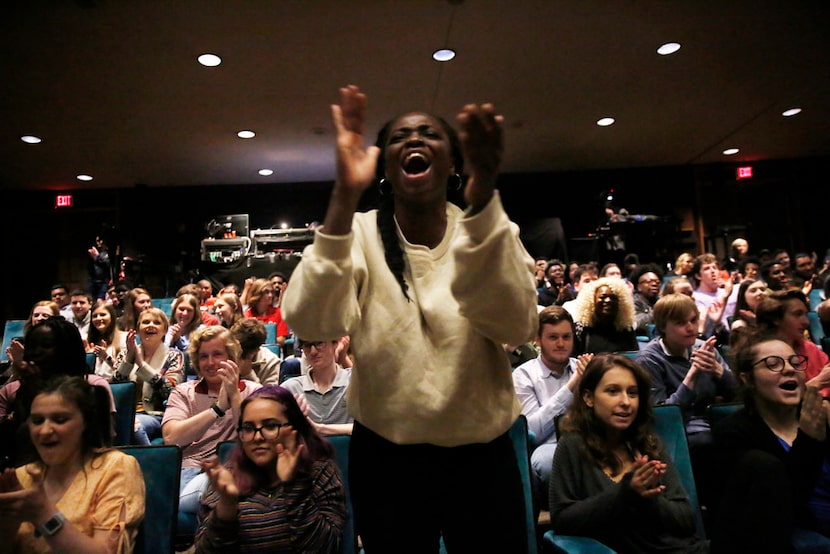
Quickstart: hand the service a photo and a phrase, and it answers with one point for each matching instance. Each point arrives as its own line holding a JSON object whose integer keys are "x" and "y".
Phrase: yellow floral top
{"x": 108, "y": 494}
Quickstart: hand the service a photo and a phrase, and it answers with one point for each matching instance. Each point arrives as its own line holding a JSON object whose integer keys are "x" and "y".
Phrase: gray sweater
{"x": 584, "y": 501}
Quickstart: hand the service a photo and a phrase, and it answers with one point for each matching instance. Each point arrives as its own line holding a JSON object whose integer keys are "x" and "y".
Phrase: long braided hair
{"x": 386, "y": 208}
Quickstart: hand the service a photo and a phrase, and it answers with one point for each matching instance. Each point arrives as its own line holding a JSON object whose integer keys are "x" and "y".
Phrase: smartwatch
{"x": 51, "y": 525}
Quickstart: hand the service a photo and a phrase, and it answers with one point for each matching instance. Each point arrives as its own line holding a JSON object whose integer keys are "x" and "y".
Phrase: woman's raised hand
{"x": 482, "y": 142}
{"x": 813, "y": 417}
{"x": 289, "y": 450}
{"x": 221, "y": 478}
{"x": 355, "y": 162}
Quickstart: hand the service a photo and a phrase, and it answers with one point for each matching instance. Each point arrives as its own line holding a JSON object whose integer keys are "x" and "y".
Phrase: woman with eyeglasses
{"x": 281, "y": 490}
{"x": 774, "y": 468}
{"x": 784, "y": 314}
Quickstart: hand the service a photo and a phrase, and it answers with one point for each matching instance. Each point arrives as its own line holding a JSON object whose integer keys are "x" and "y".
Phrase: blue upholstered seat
{"x": 125, "y": 404}
{"x": 161, "y": 467}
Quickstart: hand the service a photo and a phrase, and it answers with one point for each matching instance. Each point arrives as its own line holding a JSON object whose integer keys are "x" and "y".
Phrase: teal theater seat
{"x": 161, "y": 468}
{"x": 125, "y": 404}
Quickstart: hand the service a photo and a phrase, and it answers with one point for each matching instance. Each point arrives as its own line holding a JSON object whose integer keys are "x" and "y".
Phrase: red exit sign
{"x": 744, "y": 172}
{"x": 63, "y": 201}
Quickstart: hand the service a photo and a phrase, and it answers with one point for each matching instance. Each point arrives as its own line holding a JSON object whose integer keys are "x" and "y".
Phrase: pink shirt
{"x": 193, "y": 397}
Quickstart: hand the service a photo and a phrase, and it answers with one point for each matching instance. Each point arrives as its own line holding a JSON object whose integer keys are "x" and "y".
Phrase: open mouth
{"x": 788, "y": 386}
{"x": 415, "y": 163}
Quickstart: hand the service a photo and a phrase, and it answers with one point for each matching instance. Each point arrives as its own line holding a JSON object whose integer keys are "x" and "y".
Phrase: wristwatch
{"x": 51, "y": 525}
{"x": 219, "y": 412}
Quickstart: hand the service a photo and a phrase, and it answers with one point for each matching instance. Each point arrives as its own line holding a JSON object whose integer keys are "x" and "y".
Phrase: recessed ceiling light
{"x": 791, "y": 112}
{"x": 730, "y": 151}
{"x": 668, "y": 48}
{"x": 246, "y": 134}
{"x": 443, "y": 55}
{"x": 605, "y": 121}
{"x": 30, "y": 139}
{"x": 266, "y": 172}
{"x": 209, "y": 60}
{"x": 83, "y": 177}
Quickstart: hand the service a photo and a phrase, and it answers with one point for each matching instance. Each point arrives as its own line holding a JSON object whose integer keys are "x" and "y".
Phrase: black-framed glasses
{"x": 269, "y": 431}
{"x": 306, "y": 346}
{"x": 776, "y": 363}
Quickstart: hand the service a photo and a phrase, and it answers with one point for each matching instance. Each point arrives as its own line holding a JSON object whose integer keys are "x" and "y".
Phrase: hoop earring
{"x": 459, "y": 182}
{"x": 381, "y": 184}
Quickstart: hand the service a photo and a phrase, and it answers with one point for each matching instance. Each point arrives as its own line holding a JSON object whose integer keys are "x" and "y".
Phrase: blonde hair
{"x": 206, "y": 334}
{"x": 586, "y": 305}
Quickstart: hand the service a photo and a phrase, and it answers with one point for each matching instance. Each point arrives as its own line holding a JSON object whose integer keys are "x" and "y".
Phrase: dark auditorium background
{"x": 782, "y": 205}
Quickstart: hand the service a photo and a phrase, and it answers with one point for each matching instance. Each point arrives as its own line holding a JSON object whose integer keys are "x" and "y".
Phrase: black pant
{"x": 406, "y": 497}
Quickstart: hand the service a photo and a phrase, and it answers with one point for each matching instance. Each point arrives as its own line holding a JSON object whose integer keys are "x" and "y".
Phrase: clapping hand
{"x": 289, "y": 450}
{"x": 355, "y": 162}
{"x": 18, "y": 504}
{"x": 646, "y": 476}
{"x": 482, "y": 142}
{"x": 221, "y": 479}
{"x": 813, "y": 417}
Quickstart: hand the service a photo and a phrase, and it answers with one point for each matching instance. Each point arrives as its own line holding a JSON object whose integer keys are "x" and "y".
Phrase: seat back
{"x": 518, "y": 435}
{"x": 816, "y": 328}
{"x": 161, "y": 467}
{"x": 668, "y": 423}
{"x": 275, "y": 348}
{"x": 815, "y": 298}
{"x": 715, "y": 413}
{"x": 348, "y": 544}
{"x": 164, "y": 304}
{"x": 270, "y": 333}
{"x": 14, "y": 328}
{"x": 290, "y": 367}
{"x": 125, "y": 404}
{"x": 90, "y": 362}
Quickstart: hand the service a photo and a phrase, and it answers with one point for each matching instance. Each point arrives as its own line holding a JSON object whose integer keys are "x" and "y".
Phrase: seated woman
{"x": 260, "y": 306}
{"x": 784, "y": 314}
{"x": 105, "y": 339}
{"x": 42, "y": 309}
{"x": 773, "y": 455}
{"x": 201, "y": 414}
{"x": 611, "y": 479}
{"x": 186, "y": 316}
{"x": 228, "y": 308}
{"x": 53, "y": 347}
{"x": 605, "y": 317}
{"x": 750, "y": 293}
{"x": 78, "y": 496}
{"x": 282, "y": 490}
{"x": 154, "y": 367}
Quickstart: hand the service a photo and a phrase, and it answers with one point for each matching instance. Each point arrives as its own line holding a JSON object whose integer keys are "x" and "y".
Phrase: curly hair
{"x": 208, "y": 333}
{"x": 586, "y": 304}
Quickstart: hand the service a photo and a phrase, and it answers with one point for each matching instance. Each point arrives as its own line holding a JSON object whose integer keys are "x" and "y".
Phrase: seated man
{"x": 257, "y": 363}
{"x": 545, "y": 387}
{"x": 324, "y": 387}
